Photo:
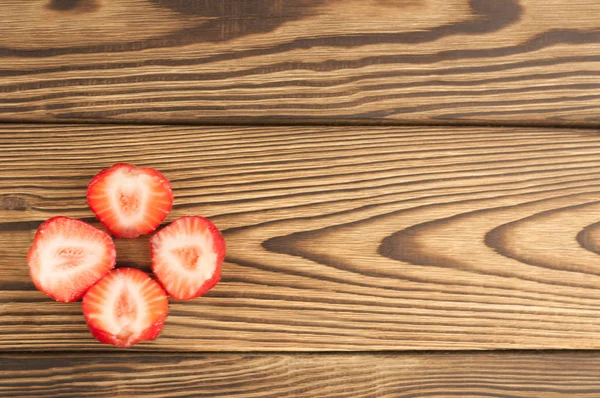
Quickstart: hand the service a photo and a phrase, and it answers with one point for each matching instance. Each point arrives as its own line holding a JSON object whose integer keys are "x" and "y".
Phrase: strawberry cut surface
{"x": 125, "y": 307}
{"x": 187, "y": 256}
{"x": 68, "y": 256}
{"x": 130, "y": 201}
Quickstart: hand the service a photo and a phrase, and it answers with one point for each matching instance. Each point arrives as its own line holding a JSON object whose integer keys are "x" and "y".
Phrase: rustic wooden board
{"x": 501, "y": 61}
{"x": 338, "y": 238}
{"x": 367, "y": 375}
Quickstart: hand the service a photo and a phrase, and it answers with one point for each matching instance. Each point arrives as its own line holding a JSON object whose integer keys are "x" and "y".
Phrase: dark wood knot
{"x": 14, "y": 203}
{"x": 73, "y": 5}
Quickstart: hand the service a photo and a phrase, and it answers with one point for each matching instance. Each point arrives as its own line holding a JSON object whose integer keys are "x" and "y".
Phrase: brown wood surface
{"x": 400, "y": 376}
{"x": 370, "y": 238}
{"x": 434, "y": 61}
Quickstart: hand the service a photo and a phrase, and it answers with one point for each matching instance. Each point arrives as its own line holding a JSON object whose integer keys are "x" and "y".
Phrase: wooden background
{"x": 224, "y": 61}
{"x": 405, "y": 187}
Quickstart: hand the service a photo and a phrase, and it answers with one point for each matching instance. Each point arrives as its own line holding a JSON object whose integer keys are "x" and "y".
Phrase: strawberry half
{"x": 130, "y": 201}
{"x": 125, "y": 307}
{"x": 68, "y": 256}
{"x": 187, "y": 256}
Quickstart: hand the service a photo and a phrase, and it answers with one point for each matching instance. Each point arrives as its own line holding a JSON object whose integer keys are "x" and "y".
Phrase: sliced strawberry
{"x": 68, "y": 256}
{"x": 130, "y": 201}
{"x": 125, "y": 307}
{"x": 187, "y": 256}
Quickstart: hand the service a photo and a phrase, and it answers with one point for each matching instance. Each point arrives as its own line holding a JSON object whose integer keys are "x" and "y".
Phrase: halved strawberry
{"x": 130, "y": 201}
{"x": 125, "y": 307}
{"x": 187, "y": 256}
{"x": 68, "y": 256}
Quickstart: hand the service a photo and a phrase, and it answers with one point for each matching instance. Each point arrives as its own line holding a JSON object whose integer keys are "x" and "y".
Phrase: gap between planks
{"x": 308, "y": 122}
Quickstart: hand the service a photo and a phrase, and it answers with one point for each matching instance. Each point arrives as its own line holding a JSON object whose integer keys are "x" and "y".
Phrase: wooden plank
{"x": 338, "y": 238}
{"x": 435, "y": 61}
{"x": 227, "y": 375}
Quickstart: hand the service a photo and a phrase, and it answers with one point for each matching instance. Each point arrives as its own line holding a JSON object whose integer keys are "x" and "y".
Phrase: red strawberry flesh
{"x": 125, "y": 307}
{"x": 68, "y": 256}
{"x": 130, "y": 201}
{"x": 187, "y": 256}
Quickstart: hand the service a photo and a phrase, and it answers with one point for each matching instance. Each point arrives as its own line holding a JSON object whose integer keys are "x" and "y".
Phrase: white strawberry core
{"x": 202, "y": 265}
{"x": 62, "y": 258}
{"x": 129, "y": 195}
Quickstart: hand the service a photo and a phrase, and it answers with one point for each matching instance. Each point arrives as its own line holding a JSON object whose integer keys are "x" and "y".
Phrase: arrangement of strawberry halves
{"x": 70, "y": 259}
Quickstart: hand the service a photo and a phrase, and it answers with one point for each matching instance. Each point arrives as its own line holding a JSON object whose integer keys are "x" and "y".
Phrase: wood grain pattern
{"x": 399, "y": 376}
{"x": 338, "y": 238}
{"x": 434, "y": 61}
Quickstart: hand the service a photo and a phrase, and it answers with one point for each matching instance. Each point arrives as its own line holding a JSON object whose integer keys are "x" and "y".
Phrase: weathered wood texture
{"x": 338, "y": 238}
{"x": 367, "y": 375}
{"x": 529, "y": 61}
